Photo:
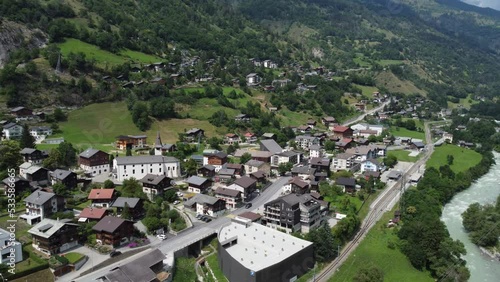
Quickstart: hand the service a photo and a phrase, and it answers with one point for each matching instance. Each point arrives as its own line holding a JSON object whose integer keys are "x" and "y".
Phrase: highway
{"x": 191, "y": 235}
{"x": 382, "y": 204}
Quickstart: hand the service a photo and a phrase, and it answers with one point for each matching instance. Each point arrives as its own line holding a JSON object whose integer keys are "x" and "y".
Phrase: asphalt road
{"x": 383, "y": 203}
{"x": 361, "y": 117}
{"x": 196, "y": 233}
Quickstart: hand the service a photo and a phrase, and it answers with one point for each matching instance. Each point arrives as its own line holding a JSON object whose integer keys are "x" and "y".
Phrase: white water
{"x": 485, "y": 190}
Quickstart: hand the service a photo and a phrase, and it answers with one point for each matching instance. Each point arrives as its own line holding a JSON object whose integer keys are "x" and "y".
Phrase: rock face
{"x": 14, "y": 35}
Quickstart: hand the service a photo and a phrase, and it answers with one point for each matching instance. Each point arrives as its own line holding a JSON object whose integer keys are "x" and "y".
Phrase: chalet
{"x": 293, "y": 157}
{"x": 448, "y": 137}
{"x": 242, "y": 118}
{"x": 320, "y": 164}
{"x": 33, "y": 156}
{"x": 254, "y": 165}
{"x": 344, "y": 161}
{"x": 239, "y": 169}
{"x": 66, "y": 177}
{"x": 260, "y": 176}
{"x": 136, "y": 206}
{"x": 102, "y": 197}
{"x": 370, "y": 165}
{"x": 296, "y": 186}
{"x": 19, "y": 185}
{"x": 246, "y": 185}
{"x": 311, "y": 123}
{"x": 231, "y": 139}
{"x": 253, "y": 79}
{"x": 92, "y": 214}
{"x": 417, "y": 145}
{"x": 54, "y": 236}
{"x": 21, "y": 112}
{"x": 315, "y": 151}
{"x": 194, "y": 134}
{"x": 12, "y": 131}
{"x": 271, "y": 146}
{"x": 34, "y": 173}
{"x": 303, "y": 172}
{"x": 207, "y": 171}
{"x": 304, "y": 129}
{"x": 225, "y": 175}
{"x": 328, "y": 121}
{"x": 155, "y": 185}
{"x": 344, "y": 144}
{"x": 231, "y": 197}
{"x": 215, "y": 158}
{"x": 124, "y": 142}
{"x": 112, "y": 230}
{"x": 362, "y": 153}
{"x": 305, "y": 141}
{"x": 40, "y": 131}
{"x": 160, "y": 148}
{"x": 251, "y": 138}
{"x": 348, "y": 184}
{"x": 40, "y": 205}
{"x": 206, "y": 205}
{"x": 198, "y": 184}
{"x": 94, "y": 161}
{"x": 342, "y": 131}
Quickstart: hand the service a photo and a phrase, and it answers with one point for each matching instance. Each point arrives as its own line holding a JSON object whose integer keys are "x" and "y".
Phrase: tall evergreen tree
{"x": 27, "y": 141}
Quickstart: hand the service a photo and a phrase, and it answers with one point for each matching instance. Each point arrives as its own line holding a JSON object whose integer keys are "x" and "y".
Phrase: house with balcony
{"x": 8, "y": 247}
{"x": 135, "y": 205}
{"x": 19, "y": 184}
{"x": 342, "y": 132}
{"x": 344, "y": 161}
{"x": 231, "y": 139}
{"x": 370, "y": 165}
{"x": 320, "y": 164}
{"x": 102, "y": 198}
{"x": 113, "y": 231}
{"x": 198, "y": 184}
{"x": 362, "y": 153}
{"x": 40, "y": 131}
{"x": 215, "y": 158}
{"x": 230, "y": 196}
{"x": 246, "y": 185}
{"x": 40, "y": 205}
{"x": 348, "y": 184}
{"x": 33, "y": 156}
{"x": 206, "y": 205}
{"x": 253, "y": 166}
{"x": 34, "y": 173}
{"x": 305, "y": 141}
{"x": 124, "y": 142}
{"x": 303, "y": 172}
{"x": 66, "y": 177}
{"x": 296, "y": 186}
{"x": 194, "y": 134}
{"x": 207, "y": 171}
{"x": 239, "y": 169}
{"x": 92, "y": 214}
{"x": 315, "y": 151}
{"x": 293, "y": 157}
{"x": 12, "y": 131}
{"x": 155, "y": 185}
{"x": 54, "y": 236}
{"x": 94, "y": 161}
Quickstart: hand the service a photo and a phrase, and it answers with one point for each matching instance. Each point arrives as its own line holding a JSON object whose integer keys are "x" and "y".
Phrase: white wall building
{"x": 138, "y": 166}
{"x": 40, "y": 131}
{"x": 11, "y": 250}
{"x": 12, "y": 131}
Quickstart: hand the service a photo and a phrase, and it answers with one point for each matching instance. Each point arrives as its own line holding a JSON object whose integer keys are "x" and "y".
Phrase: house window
{"x": 150, "y": 170}
{"x": 160, "y": 169}
{"x": 142, "y": 170}
{"x": 133, "y": 171}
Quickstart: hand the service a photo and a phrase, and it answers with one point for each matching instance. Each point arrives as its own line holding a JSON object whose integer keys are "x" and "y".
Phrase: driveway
{"x": 142, "y": 228}
{"x": 95, "y": 258}
{"x": 100, "y": 178}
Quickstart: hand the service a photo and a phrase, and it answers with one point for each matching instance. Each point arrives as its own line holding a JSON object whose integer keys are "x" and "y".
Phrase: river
{"x": 484, "y": 190}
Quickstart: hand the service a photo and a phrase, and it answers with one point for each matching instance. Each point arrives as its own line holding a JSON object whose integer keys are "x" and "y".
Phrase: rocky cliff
{"x": 14, "y": 36}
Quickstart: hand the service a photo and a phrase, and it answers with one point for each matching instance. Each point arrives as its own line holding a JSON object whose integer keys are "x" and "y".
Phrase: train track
{"x": 376, "y": 212}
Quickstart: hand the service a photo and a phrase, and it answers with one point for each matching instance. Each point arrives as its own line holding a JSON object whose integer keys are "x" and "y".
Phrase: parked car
{"x": 199, "y": 216}
{"x": 249, "y": 205}
{"x": 176, "y": 202}
{"x": 115, "y": 253}
{"x": 161, "y": 236}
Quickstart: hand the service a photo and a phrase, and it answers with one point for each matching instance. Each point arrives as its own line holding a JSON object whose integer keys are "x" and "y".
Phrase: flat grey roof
{"x": 258, "y": 246}
{"x": 196, "y": 180}
{"x": 145, "y": 160}
{"x": 61, "y": 174}
{"x": 47, "y": 227}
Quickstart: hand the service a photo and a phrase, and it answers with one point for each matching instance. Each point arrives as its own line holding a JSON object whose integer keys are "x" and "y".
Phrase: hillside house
{"x": 231, "y": 139}
{"x": 342, "y": 132}
{"x": 33, "y": 156}
{"x": 124, "y": 142}
{"x": 40, "y": 205}
{"x": 113, "y": 230}
{"x": 94, "y": 161}
{"x": 12, "y": 131}
{"x": 40, "y": 131}
{"x": 206, "y": 205}
{"x": 102, "y": 198}
{"x": 215, "y": 158}
{"x": 155, "y": 185}
{"x": 231, "y": 197}
{"x": 54, "y": 236}
{"x": 198, "y": 184}
{"x": 66, "y": 177}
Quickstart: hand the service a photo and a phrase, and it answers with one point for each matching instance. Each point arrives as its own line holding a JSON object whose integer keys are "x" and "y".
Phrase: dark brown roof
{"x": 250, "y": 215}
{"x": 108, "y": 224}
{"x": 227, "y": 192}
{"x": 245, "y": 181}
{"x": 258, "y": 174}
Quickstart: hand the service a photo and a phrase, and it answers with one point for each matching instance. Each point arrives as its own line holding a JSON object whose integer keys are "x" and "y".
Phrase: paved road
{"x": 194, "y": 234}
{"x": 361, "y": 117}
{"x": 383, "y": 203}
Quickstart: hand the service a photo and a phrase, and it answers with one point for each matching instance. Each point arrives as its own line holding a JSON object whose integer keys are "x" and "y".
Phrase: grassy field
{"x": 184, "y": 270}
{"x": 403, "y": 132}
{"x": 390, "y": 62}
{"x": 73, "y": 257}
{"x": 42, "y": 275}
{"x": 465, "y": 102}
{"x": 402, "y": 155}
{"x": 214, "y": 265}
{"x": 463, "y": 158}
{"x": 290, "y": 118}
{"x": 374, "y": 251}
{"x": 103, "y": 57}
{"x": 21, "y": 226}
{"x": 367, "y": 90}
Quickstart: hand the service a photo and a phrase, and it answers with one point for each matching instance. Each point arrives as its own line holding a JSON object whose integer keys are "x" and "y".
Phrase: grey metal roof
{"x": 394, "y": 174}
{"x": 209, "y": 167}
{"x": 196, "y": 180}
{"x": 271, "y": 146}
{"x": 34, "y": 168}
{"x": 201, "y": 199}
{"x": 254, "y": 163}
{"x": 226, "y": 171}
{"x": 61, "y": 174}
{"x": 288, "y": 153}
{"x": 345, "y": 181}
{"x": 138, "y": 270}
{"x": 303, "y": 170}
{"x": 48, "y": 227}
{"x": 88, "y": 153}
{"x": 145, "y": 160}
{"x": 120, "y": 202}
{"x": 153, "y": 179}
{"x": 27, "y": 151}
{"x": 314, "y": 147}
{"x": 39, "y": 197}
{"x": 9, "y": 125}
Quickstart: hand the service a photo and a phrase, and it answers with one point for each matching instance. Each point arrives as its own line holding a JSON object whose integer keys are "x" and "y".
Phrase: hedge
{"x": 27, "y": 271}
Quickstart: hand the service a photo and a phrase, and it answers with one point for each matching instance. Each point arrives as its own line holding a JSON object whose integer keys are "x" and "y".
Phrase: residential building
{"x": 225, "y": 175}
{"x": 293, "y": 213}
{"x": 417, "y": 145}
{"x": 139, "y": 166}
{"x": 33, "y": 156}
{"x": 342, "y": 132}
{"x": 40, "y": 131}
{"x": 448, "y": 137}
{"x": 328, "y": 122}
{"x": 34, "y": 173}
{"x": 198, "y": 184}
{"x": 261, "y": 252}
{"x": 215, "y": 158}
{"x": 66, "y": 177}
{"x": 239, "y": 169}
{"x": 9, "y": 248}
{"x": 305, "y": 141}
{"x": 370, "y": 165}
{"x": 155, "y": 185}
{"x": 253, "y": 217}
{"x": 253, "y": 79}
{"x": 271, "y": 146}
{"x": 207, "y": 171}
{"x": 344, "y": 144}
{"x": 54, "y": 236}
{"x": 124, "y": 142}
{"x": 253, "y": 166}
{"x": 40, "y": 205}
{"x": 94, "y": 161}
{"x": 303, "y": 172}
{"x": 19, "y": 184}
{"x": 135, "y": 205}
{"x": 260, "y": 176}
{"x": 230, "y": 196}
{"x": 296, "y": 186}
{"x": 293, "y": 157}
{"x": 102, "y": 197}
{"x": 92, "y": 214}
{"x": 231, "y": 139}
{"x": 315, "y": 151}
{"x": 206, "y": 205}
{"x": 320, "y": 164}
{"x": 194, "y": 135}
{"x": 113, "y": 230}
{"x": 245, "y": 185}
{"x": 21, "y": 112}
{"x": 12, "y": 131}
{"x": 242, "y": 118}
{"x": 362, "y": 153}
{"x": 348, "y": 184}
{"x": 251, "y": 138}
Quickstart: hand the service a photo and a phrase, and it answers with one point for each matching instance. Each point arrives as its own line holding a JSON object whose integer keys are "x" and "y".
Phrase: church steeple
{"x": 158, "y": 143}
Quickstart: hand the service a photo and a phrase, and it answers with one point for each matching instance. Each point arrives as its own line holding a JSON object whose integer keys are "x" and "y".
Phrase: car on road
{"x": 114, "y": 253}
{"x": 249, "y": 205}
{"x": 176, "y": 202}
{"x": 199, "y": 216}
{"x": 161, "y": 236}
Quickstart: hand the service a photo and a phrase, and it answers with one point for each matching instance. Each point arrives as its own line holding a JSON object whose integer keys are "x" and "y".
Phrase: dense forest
{"x": 482, "y": 223}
